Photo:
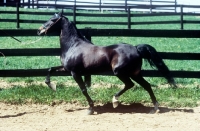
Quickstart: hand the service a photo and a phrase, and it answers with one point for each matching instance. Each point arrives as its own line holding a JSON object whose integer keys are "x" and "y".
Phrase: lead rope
{"x": 10, "y": 36}
{"x": 21, "y": 41}
{"x": 31, "y": 42}
{"x": 4, "y": 62}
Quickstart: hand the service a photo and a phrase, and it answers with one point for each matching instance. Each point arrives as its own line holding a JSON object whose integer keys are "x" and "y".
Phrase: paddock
{"x": 72, "y": 117}
{"x": 61, "y": 116}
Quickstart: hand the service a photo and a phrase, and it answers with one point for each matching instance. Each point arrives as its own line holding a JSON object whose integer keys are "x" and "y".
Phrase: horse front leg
{"x": 48, "y": 81}
{"x": 83, "y": 88}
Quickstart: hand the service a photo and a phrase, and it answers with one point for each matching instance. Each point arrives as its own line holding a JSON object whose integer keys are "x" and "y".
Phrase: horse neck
{"x": 69, "y": 34}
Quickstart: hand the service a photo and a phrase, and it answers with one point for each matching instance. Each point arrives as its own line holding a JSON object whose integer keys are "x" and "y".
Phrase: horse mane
{"x": 73, "y": 27}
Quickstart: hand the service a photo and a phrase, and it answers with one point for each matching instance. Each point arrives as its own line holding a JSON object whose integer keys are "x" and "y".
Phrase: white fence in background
{"x": 129, "y": 3}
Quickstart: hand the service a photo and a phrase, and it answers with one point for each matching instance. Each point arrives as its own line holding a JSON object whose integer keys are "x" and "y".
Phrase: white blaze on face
{"x": 42, "y": 30}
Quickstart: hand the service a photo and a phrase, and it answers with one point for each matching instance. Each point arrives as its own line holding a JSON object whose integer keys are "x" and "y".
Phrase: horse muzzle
{"x": 41, "y": 31}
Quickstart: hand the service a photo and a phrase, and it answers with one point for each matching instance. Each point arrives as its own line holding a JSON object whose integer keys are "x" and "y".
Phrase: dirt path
{"x": 68, "y": 117}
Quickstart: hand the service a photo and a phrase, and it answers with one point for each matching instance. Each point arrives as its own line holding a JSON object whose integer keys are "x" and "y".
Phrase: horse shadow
{"x": 135, "y": 108}
{"x": 108, "y": 108}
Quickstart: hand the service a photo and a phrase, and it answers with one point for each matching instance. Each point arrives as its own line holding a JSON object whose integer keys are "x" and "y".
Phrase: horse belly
{"x": 72, "y": 63}
{"x": 97, "y": 64}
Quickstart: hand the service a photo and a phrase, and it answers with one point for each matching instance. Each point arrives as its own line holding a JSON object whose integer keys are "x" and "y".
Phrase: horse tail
{"x": 148, "y": 52}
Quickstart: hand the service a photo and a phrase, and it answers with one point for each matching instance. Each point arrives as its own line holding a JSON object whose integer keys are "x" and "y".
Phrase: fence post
{"x": 37, "y": 4}
{"x": 74, "y": 14}
{"x": 129, "y": 17}
{"x": 33, "y": 2}
{"x": 100, "y": 5}
{"x": 29, "y": 3}
{"x": 150, "y": 6}
{"x": 126, "y": 5}
{"x": 17, "y": 7}
{"x": 55, "y": 4}
{"x": 23, "y": 3}
{"x": 175, "y": 6}
{"x": 181, "y": 15}
{"x": 87, "y": 36}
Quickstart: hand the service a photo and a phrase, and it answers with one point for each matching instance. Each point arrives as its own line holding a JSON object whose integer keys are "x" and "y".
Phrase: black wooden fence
{"x": 102, "y": 32}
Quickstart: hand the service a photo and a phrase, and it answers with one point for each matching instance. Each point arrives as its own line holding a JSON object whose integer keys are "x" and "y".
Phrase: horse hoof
{"x": 115, "y": 102}
{"x": 90, "y": 111}
{"x": 154, "y": 111}
{"x": 52, "y": 86}
{"x": 87, "y": 85}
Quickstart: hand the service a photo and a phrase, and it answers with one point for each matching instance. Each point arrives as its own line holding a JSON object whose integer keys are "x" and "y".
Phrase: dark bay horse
{"x": 79, "y": 56}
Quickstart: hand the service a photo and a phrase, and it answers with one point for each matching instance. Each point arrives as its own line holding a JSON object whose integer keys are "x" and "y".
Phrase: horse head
{"x": 52, "y": 25}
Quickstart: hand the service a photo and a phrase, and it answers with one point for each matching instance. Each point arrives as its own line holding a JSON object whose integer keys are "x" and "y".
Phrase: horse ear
{"x": 60, "y": 13}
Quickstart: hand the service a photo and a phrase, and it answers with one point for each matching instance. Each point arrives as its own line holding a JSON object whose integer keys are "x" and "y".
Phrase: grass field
{"x": 187, "y": 95}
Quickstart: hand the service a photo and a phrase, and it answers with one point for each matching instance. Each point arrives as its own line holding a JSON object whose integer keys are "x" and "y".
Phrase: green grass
{"x": 186, "y": 96}
{"x": 182, "y": 97}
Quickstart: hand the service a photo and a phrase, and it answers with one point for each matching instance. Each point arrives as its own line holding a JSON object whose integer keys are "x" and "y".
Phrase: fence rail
{"x": 43, "y": 72}
{"x": 56, "y": 52}
{"x": 113, "y": 32}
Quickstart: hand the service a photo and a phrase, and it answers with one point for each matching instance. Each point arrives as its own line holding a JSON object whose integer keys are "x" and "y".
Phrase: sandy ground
{"x": 70, "y": 117}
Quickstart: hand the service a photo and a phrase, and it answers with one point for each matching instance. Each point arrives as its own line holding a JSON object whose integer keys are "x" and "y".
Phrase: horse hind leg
{"x": 128, "y": 84}
{"x": 87, "y": 80}
{"x": 140, "y": 80}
